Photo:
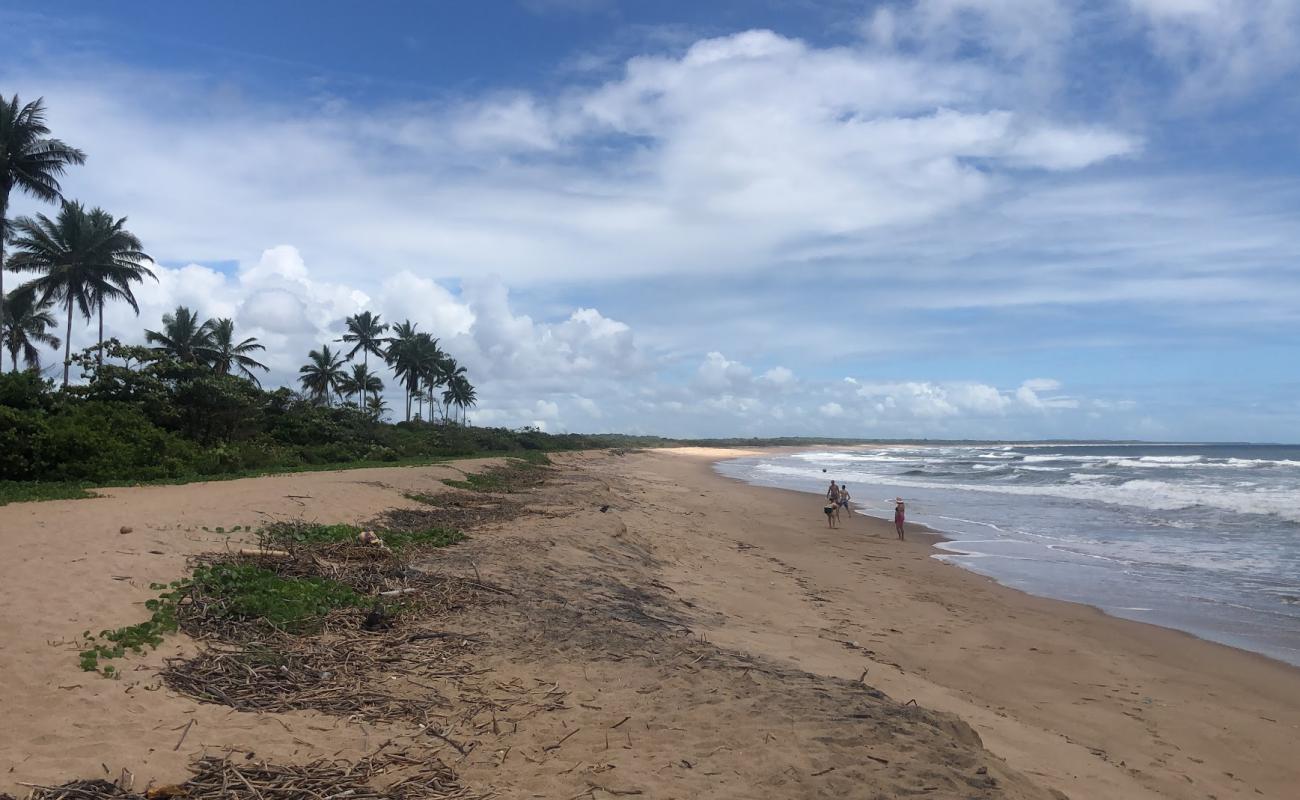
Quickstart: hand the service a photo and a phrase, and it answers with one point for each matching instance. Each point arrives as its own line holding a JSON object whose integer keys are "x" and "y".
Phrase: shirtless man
{"x": 833, "y": 500}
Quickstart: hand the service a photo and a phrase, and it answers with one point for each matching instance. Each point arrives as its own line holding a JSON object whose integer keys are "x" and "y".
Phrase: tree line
{"x": 83, "y": 259}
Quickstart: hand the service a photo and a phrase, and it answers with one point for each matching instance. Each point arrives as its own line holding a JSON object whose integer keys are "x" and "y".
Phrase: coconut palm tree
{"x": 27, "y": 322}
{"x": 323, "y": 374}
{"x": 228, "y": 355}
{"x": 81, "y": 259}
{"x": 184, "y": 338}
{"x": 361, "y": 382}
{"x": 122, "y": 264}
{"x": 29, "y": 162}
{"x": 435, "y": 378}
{"x": 404, "y": 356}
{"x": 460, "y": 393}
{"x": 376, "y": 406}
{"x": 366, "y": 334}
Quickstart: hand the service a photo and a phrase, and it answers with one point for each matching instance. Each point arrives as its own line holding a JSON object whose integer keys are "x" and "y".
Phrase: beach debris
{"x": 215, "y": 778}
{"x": 371, "y": 539}
{"x": 184, "y": 733}
{"x": 125, "y": 529}
{"x": 377, "y": 619}
{"x": 260, "y": 552}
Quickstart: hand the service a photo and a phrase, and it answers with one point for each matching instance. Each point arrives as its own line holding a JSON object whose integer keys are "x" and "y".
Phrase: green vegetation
{"x": 227, "y": 591}
{"x": 516, "y": 473}
{"x": 250, "y": 592}
{"x": 146, "y": 417}
{"x": 291, "y": 534}
{"x": 26, "y": 491}
{"x": 481, "y": 482}
{"x": 241, "y": 592}
{"x": 134, "y": 638}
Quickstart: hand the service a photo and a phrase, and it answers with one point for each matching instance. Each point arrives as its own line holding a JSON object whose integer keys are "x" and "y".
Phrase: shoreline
{"x": 931, "y": 537}
{"x": 936, "y": 536}
{"x": 1092, "y": 704}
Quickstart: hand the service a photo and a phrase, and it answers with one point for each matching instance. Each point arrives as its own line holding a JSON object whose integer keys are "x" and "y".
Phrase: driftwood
{"x": 258, "y": 552}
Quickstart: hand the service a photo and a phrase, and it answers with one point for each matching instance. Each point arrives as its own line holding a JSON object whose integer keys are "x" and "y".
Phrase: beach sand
{"x": 741, "y": 639}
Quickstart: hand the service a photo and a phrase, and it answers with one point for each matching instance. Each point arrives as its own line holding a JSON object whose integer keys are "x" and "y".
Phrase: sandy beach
{"x": 708, "y": 638}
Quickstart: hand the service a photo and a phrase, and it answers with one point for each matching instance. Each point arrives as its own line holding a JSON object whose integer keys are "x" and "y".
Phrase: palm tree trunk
{"x": 4, "y": 227}
{"x": 67, "y": 347}
{"x": 99, "y": 360}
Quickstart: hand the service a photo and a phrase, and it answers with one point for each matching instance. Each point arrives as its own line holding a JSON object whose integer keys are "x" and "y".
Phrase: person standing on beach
{"x": 833, "y": 498}
{"x": 844, "y": 498}
{"x": 899, "y": 516}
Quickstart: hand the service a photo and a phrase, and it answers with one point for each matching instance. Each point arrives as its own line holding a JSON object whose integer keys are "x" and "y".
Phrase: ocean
{"x": 1204, "y": 538}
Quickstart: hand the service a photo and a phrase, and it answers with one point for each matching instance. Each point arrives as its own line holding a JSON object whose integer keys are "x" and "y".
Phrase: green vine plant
{"x": 115, "y": 643}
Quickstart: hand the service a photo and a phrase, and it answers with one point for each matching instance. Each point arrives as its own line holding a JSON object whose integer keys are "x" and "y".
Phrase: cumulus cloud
{"x": 831, "y": 409}
{"x": 279, "y": 300}
{"x": 778, "y": 377}
{"x": 717, "y": 375}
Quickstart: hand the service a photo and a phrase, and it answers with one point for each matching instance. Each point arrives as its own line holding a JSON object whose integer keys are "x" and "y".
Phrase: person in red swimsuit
{"x": 898, "y": 516}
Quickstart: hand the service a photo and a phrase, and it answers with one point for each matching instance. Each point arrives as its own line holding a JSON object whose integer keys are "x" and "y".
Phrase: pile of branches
{"x": 450, "y": 510}
{"x": 381, "y": 662}
{"x": 395, "y": 590}
{"x": 348, "y": 677}
{"x": 226, "y": 779}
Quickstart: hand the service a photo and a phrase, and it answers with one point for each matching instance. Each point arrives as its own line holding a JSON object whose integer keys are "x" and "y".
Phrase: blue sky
{"x": 945, "y": 218}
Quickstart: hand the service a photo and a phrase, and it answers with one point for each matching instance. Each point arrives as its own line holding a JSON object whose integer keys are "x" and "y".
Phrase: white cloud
{"x": 1042, "y": 384}
{"x": 1223, "y": 47}
{"x": 717, "y": 375}
{"x": 714, "y": 158}
{"x": 778, "y": 377}
{"x": 831, "y": 410}
{"x": 1029, "y": 395}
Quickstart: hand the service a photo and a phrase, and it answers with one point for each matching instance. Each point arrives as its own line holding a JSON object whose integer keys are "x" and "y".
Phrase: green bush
{"x": 21, "y": 433}
{"x": 103, "y": 442}
{"x": 144, "y": 418}
{"x": 25, "y": 391}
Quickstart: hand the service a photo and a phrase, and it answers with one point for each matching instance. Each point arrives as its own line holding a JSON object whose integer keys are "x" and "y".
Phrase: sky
{"x": 935, "y": 218}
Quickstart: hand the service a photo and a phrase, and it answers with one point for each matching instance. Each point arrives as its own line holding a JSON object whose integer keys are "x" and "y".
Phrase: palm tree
{"x": 361, "y": 382}
{"x": 376, "y": 406}
{"x": 121, "y": 264}
{"x": 184, "y": 338}
{"x": 29, "y": 162}
{"x": 81, "y": 258}
{"x": 27, "y": 321}
{"x": 403, "y": 355}
{"x": 366, "y": 334}
{"x": 448, "y": 371}
{"x": 460, "y": 393}
{"x": 226, "y": 354}
{"x": 323, "y": 374}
